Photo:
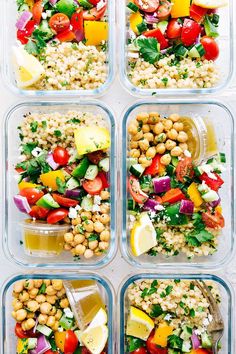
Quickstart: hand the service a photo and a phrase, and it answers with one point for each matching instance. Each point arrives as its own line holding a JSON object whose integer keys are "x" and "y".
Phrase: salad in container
{"x": 173, "y": 44}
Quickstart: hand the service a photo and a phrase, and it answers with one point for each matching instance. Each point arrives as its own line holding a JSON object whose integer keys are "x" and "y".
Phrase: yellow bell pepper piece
{"x": 180, "y": 8}
{"x": 60, "y": 338}
{"x": 95, "y": 32}
{"x": 135, "y": 19}
{"x": 219, "y": 209}
{"x": 23, "y": 185}
{"x": 161, "y": 334}
{"x": 195, "y": 195}
{"x": 93, "y": 138}
{"x": 49, "y": 179}
{"x": 22, "y": 346}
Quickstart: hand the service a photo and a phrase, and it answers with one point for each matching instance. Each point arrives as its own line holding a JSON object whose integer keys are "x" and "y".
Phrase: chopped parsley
{"x": 34, "y": 126}
{"x": 149, "y": 49}
{"x": 28, "y": 148}
{"x": 42, "y": 289}
{"x": 74, "y": 121}
{"x": 133, "y": 344}
{"x": 156, "y": 311}
{"x": 165, "y": 81}
{"x": 57, "y": 133}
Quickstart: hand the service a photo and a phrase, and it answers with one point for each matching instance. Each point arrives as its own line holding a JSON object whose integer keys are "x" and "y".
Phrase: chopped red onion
{"x": 195, "y": 341}
{"x": 23, "y": 20}
{"x": 42, "y": 345}
{"x": 79, "y": 34}
{"x": 73, "y": 193}
{"x": 50, "y": 160}
{"x": 150, "y": 205}
{"x": 151, "y": 18}
{"x": 215, "y": 203}
{"x": 22, "y": 204}
{"x": 161, "y": 184}
{"x": 186, "y": 207}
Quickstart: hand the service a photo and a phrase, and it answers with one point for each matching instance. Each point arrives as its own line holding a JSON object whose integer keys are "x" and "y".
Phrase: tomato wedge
{"x": 174, "y": 29}
{"x": 20, "y": 333}
{"x": 50, "y": 352}
{"x": 23, "y": 35}
{"x": 184, "y": 169}
{"x": 104, "y": 179}
{"x": 197, "y": 13}
{"x": 94, "y": 2}
{"x": 63, "y": 201}
{"x": 38, "y": 212}
{"x": 135, "y": 190}
{"x": 141, "y": 350}
{"x": 190, "y": 32}
{"x": 156, "y": 33}
{"x": 211, "y": 48}
{"x": 59, "y": 22}
{"x": 94, "y": 14}
{"x": 66, "y": 36}
{"x": 213, "y": 221}
{"x": 164, "y": 9}
{"x": 156, "y": 167}
{"x": 174, "y": 195}
{"x": 57, "y": 215}
{"x": 93, "y": 187}
{"x": 213, "y": 183}
{"x": 71, "y": 342}
{"x": 147, "y": 5}
{"x": 32, "y": 194}
{"x": 77, "y": 21}
{"x": 37, "y": 11}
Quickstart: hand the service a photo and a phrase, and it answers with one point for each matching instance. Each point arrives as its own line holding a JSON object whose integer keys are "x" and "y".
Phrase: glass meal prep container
{"x": 128, "y": 299}
{"x": 87, "y": 286}
{"x": 140, "y": 83}
{"x": 33, "y": 240}
{"x": 207, "y": 121}
{"x": 96, "y": 58}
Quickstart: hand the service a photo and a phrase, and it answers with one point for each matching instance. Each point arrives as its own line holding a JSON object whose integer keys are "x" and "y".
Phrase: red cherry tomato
{"x": 38, "y": 212}
{"x": 63, "y": 201}
{"x": 184, "y": 169}
{"x": 56, "y": 215}
{"x": 190, "y": 32}
{"x": 213, "y": 221}
{"x": 156, "y": 167}
{"x": 153, "y": 348}
{"x": 96, "y": 156}
{"x": 37, "y": 11}
{"x": 214, "y": 183}
{"x": 156, "y": 33}
{"x": 201, "y": 351}
{"x": 164, "y": 9}
{"x": 94, "y": 2}
{"x": 77, "y": 21}
{"x": 61, "y": 156}
{"x": 71, "y": 342}
{"x": 94, "y": 14}
{"x": 211, "y": 48}
{"x": 104, "y": 179}
{"x": 197, "y": 13}
{"x": 66, "y": 36}
{"x": 84, "y": 350}
{"x": 23, "y": 35}
{"x": 147, "y": 6}
{"x": 141, "y": 350}
{"x": 135, "y": 190}
{"x": 32, "y": 194}
{"x": 59, "y": 22}
{"x": 20, "y": 333}
{"x": 93, "y": 187}
{"x": 174, "y": 29}
{"x": 50, "y": 352}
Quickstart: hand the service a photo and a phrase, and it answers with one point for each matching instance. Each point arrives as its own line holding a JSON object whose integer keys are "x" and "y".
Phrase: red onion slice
{"x": 51, "y": 162}
{"x": 79, "y": 34}
{"x": 22, "y": 204}
{"x": 23, "y": 20}
{"x": 195, "y": 341}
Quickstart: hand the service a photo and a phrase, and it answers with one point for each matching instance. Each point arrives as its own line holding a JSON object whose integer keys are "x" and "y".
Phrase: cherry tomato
{"x": 23, "y": 35}
{"x": 197, "y": 13}
{"x": 71, "y": 342}
{"x": 84, "y": 350}
{"x": 77, "y": 21}
{"x": 93, "y": 187}
{"x": 153, "y": 348}
{"x": 94, "y": 2}
{"x": 63, "y": 201}
{"x": 94, "y": 14}
{"x": 141, "y": 350}
{"x": 66, "y": 36}
{"x": 19, "y": 169}
{"x": 32, "y": 194}
{"x": 38, "y": 212}
{"x": 213, "y": 221}
{"x": 156, "y": 33}
{"x": 200, "y": 351}
{"x": 135, "y": 190}
{"x": 104, "y": 179}
{"x": 164, "y": 9}
{"x": 184, "y": 169}
{"x": 61, "y": 156}
{"x": 211, "y": 48}
{"x": 96, "y": 156}
{"x": 190, "y": 32}
{"x": 20, "y": 333}
{"x": 174, "y": 29}
{"x": 37, "y": 11}
{"x": 156, "y": 167}
{"x": 59, "y": 22}
{"x": 147, "y": 6}
{"x": 50, "y": 352}
{"x": 214, "y": 183}
{"x": 56, "y": 215}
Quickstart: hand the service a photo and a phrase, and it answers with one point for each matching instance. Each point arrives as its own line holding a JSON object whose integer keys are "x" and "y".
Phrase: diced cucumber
{"x": 181, "y": 51}
{"x": 131, "y": 161}
{"x": 81, "y": 169}
{"x": 131, "y": 204}
{"x": 132, "y": 7}
{"x": 210, "y": 196}
{"x": 177, "y": 332}
{"x": 91, "y": 173}
{"x": 146, "y": 183}
{"x": 170, "y": 169}
{"x": 142, "y": 27}
{"x": 23, "y": 8}
{"x": 137, "y": 170}
{"x": 66, "y": 323}
{"x": 44, "y": 330}
{"x": 197, "y": 171}
{"x": 186, "y": 346}
{"x": 193, "y": 53}
{"x": 222, "y": 157}
{"x": 187, "y": 331}
{"x": 174, "y": 161}
{"x": 74, "y": 156}
{"x": 85, "y": 4}
{"x": 72, "y": 183}
{"x": 206, "y": 340}
{"x": 104, "y": 164}
{"x": 87, "y": 204}
{"x": 32, "y": 343}
{"x": 66, "y": 174}
{"x": 47, "y": 32}
{"x": 162, "y": 26}
{"x": 47, "y": 201}
{"x": 209, "y": 161}
{"x": 203, "y": 188}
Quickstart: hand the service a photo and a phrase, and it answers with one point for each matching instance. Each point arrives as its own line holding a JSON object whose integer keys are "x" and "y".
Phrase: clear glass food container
{"x": 221, "y": 118}
{"x": 12, "y": 244}
{"x": 8, "y": 338}
{"x": 226, "y": 306}
{"x": 225, "y": 62}
{"x": 9, "y": 40}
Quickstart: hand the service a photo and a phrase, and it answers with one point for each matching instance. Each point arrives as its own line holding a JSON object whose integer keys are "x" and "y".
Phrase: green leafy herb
{"x": 57, "y": 133}
{"x": 134, "y": 344}
{"x": 61, "y": 185}
{"x": 192, "y": 313}
{"x": 165, "y": 81}
{"x": 53, "y": 344}
{"x": 28, "y": 148}
{"x": 44, "y": 124}
{"x": 74, "y": 121}
{"x": 76, "y": 258}
{"x": 34, "y": 126}
{"x": 42, "y": 289}
{"x": 177, "y": 281}
{"x": 191, "y": 286}
{"x": 31, "y": 47}
{"x": 93, "y": 237}
{"x": 149, "y": 49}
{"x": 175, "y": 342}
{"x": 156, "y": 311}
{"x": 196, "y": 238}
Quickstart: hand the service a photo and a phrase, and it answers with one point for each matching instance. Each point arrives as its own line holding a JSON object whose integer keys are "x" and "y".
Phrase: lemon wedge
{"x": 143, "y": 235}
{"x": 28, "y": 69}
{"x": 93, "y": 138}
{"x": 139, "y": 324}
{"x": 95, "y": 338}
{"x": 99, "y": 319}
{"x": 210, "y": 4}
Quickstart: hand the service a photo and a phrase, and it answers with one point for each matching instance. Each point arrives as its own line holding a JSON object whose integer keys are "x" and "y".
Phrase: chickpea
{"x": 88, "y": 225}
{"x": 61, "y": 293}
{"x": 170, "y": 144}
{"x": 76, "y": 221}
{"x": 50, "y": 290}
{"x": 69, "y": 237}
{"x": 79, "y": 238}
{"x": 183, "y": 146}
{"x": 17, "y": 305}
{"x": 105, "y": 195}
{"x": 28, "y": 324}
{"x": 135, "y": 153}
{"x": 30, "y": 315}
{"x": 165, "y": 159}
{"x": 45, "y": 308}
{"x": 133, "y": 145}
{"x": 98, "y": 227}
{"x": 33, "y": 293}
{"x": 29, "y": 284}
{"x": 172, "y": 134}
{"x": 93, "y": 244}
{"x": 24, "y": 296}
{"x": 182, "y": 137}
{"x": 19, "y": 286}
{"x": 105, "y": 219}
{"x": 158, "y": 128}
{"x": 85, "y": 243}
{"x": 149, "y": 136}
{"x": 103, "y": 245}
{"x": 88, "y": 254}
{"x": 168, "y": 124}
{"x": 47, "y": 282}
{"x": 160, "y": 148}
{"x": 174, "y": 117}
{"x": 177, "y": 151}
{"x": 178, "y": 126}
{"x": 53, "y": 311}
{"x": 96, "y": 217}
{"x": 86, "y": 215}
{"x": 138, "y": 136}
{"x": 151, "y": 152}
{"x": 32, "y": 305}
{"x": 64, "y": 303}
{"x": 153, "y": 117}
{"x": 55, "y": 326}
{"x": 105, "y": 208}
{"x": 80, "y": 249}
{"x": 67, "y": 247}
{"x": 58, "y": 314}
{"x": 105, "y": 235}
{"x": 144, "y": 144}
{"x": 161, "y": 138}
{"x": 21, "y": 315}
{"x": 38, "y": 283}
{"x": 132, "y": 129}
{"x": 51, "y": 299}
{"x": 145, "y": 161}
{"x": 145, "y": 128}
{"x": 42, "y": 319}
{"x": 40, "y": 298}
{"x": 13, "y": 314}
{"x": 50, "y": 321}
{"x": 142, "y": 117}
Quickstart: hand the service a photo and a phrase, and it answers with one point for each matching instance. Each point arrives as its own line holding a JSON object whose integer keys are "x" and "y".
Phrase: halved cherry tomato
{"x": 38, "y": 212}
{"x": 59, "y": 22}
{"x": 200, "y": 351}
{"x": 156, "y": 33}
{"x": 135, "y": 190}
{"x": 156, "y": 167}
{"x": 147, "y": 6}
{"x": 211, "y": 48}
{"x": 184, "y": 169}
{"x": 94, "y": 2}
{"x": 23, "y": 35}
{"x": 63, "y": 201}
{"x": 141, "y": 350}
{"x": 93, "y": 187}
{"x": 37, "y": 11}
{"x": 71, "y": 342}
{"x": 190, "y": 32}
{"x": 61, "y": 156}
{"x": 94, "y": 14}
{"x": 164, "y": 9}
{"x": 174, "y": 29}
{"x": 50, "y": 352}
{"x": 20, "y": 333}
{"x": 213, "y": 221}
{"x": 77, "y": 21}
{"x": 174, "y": 195}
{"x": 57, "y": 215}
{"x": 104, "y": 179}
{"x": 66, "y": 36}
{"x": 153, "y": 348}
{"x": 213, "y": 183}
{"x": 197, "y": 13}
{"x": 32, "y": 194}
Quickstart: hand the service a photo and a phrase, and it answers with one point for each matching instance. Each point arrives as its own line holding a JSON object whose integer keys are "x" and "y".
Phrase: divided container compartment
{"x": 225, "y": 62}
{"x": 13, "y": 247}
{"x": 8, "y": 338}
{"x": 226, "y": 306}
{"x": 222, "y": 119}
{"x": 9, "y": 40}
